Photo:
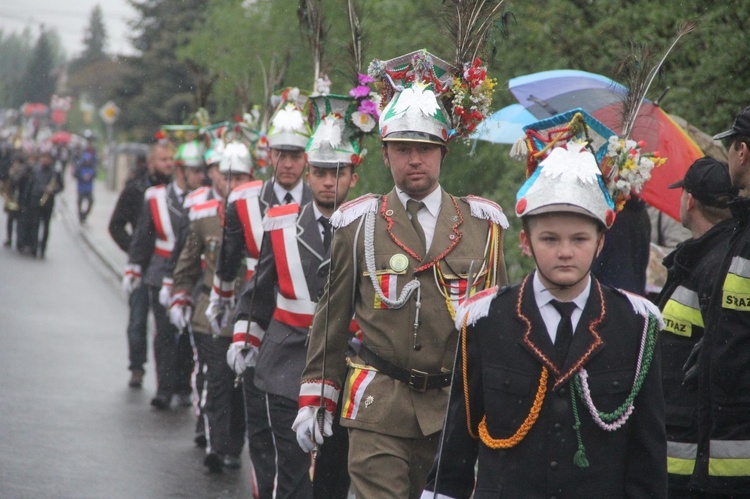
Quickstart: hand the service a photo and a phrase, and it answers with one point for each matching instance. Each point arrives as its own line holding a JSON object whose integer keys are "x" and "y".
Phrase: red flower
{"x": 356, "y": 160}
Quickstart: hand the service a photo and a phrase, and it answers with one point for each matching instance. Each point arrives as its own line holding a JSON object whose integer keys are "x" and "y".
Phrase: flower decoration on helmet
{"x": 426, "y": 99}
{"x": 338, "y": 130}
{"x": 566, "y": 153}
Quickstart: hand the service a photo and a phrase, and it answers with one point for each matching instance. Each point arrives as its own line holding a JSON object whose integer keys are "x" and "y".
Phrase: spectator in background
{"x": 722, "y": 372}
{"x": 85, "y": 172}
{"x": 16, "y": 171}
{"x": 692, "y": 272}
{"x": 623, "y": 260}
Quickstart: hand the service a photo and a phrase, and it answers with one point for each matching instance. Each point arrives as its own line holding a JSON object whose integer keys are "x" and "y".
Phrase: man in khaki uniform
{"x": 223, "y": 406}
{"x": 400, "y": 270}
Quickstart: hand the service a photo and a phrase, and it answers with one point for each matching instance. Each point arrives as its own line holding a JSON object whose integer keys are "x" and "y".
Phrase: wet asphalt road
{"x": 69, "y": 425}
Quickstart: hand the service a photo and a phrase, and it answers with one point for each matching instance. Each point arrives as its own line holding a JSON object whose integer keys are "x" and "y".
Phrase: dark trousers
{"x": 138, "y": 327}
{"x": 259, "y": 436}
{"x": 45, "y": 217}
{"x": 172, "y": 351}
{"x": 88, "y": 199}
{"x": 293, "y": 463}
{"x": 12, "y": 218}
{"x": 28, "y": 229}
{"x": 222, "y": 403}
{"x": 331, "y": 479}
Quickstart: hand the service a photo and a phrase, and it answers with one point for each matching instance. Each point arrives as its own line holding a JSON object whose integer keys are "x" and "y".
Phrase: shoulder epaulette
{"x": 642, "y": 306}
{"x": 476, "y": 307}
{"x": 352, "y": 210}
{"x": 154, "y": 191}
{"x": 246, "y": 190}
{"x": 280, "y": 217}
{"x": 198, "y": 196}
{"x": 486, "y": 210}
{"x": 204, "y": 210}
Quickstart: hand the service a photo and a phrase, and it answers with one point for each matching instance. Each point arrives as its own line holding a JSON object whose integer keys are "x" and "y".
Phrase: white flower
{"x": 364, "y": 122}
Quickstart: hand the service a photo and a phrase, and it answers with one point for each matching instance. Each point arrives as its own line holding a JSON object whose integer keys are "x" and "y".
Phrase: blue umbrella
{"x": 504, "y": 126}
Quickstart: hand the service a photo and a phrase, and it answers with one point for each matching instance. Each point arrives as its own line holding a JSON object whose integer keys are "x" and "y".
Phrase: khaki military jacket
{"x": 371, "y": 400}
{"x": 196, "y": 264}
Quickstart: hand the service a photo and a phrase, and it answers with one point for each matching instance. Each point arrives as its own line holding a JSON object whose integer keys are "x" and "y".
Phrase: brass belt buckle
{"x": 418, "y": 380}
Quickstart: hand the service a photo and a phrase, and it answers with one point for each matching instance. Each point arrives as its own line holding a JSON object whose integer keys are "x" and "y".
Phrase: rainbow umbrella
{"x": 549, "y": 93}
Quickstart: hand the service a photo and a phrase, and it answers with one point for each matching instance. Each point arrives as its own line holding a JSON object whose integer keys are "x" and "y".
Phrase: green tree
{"x": 15, "y": 53}
{"x": 39, "y": 77}
{"x": 94, "y": 38}
{"x": 159, "y": 88}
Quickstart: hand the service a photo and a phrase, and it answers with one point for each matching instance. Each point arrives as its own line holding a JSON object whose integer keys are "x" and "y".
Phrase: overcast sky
{"x": 70, "y": 18}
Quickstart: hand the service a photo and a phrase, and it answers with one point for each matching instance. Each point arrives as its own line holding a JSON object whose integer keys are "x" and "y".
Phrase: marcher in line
{"x": 400, "y": 266}
{"x": 279, "y": 307}
{"x": 557, "y": 391}
{"x": 148, "y": 257}
{"x": 122, "y": 225}
{"x": 222, "y": 407}
{"x": 288, "y": 135}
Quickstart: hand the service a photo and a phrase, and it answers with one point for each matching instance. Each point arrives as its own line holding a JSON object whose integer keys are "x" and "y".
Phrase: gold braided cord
{"x": 497, "y": 244}
{"x": 536, "y": 408}
{"x": 443, "y": 287}
{"x": 466, "y": 378}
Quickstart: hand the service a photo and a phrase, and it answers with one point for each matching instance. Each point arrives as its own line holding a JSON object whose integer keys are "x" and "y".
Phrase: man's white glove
{"x": 308, "y": 430}
{"x": 243, "y": 351}
{"x": 221, "y": 301}
{"x": 165, "y": 293}
{"x": 131, "y": 278}
{"x": 181, "y": 310}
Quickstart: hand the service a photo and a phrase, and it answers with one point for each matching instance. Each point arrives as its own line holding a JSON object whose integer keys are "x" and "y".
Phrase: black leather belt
{"x": 417, "y": 380}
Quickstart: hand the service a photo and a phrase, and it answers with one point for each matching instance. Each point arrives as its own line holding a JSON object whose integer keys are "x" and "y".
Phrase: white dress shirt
{"x": 296, "y": 192}
{"x": 427, "y": 215}
{"x": 550, "y": 314}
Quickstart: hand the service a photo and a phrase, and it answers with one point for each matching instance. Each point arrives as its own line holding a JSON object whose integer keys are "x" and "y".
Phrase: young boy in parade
{"x": 557, "y": 391}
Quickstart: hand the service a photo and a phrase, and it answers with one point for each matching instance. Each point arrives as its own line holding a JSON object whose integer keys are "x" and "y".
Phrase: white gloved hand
{"x": 131, "y": 278}
{"x": 181, "y": 310}
{"x": 165, "y": 293}
{"x": 307, "y": 427}
{"x": 243, "y": 351}
{"x": 219, "y": 309}
{"x": 241, "y": 356}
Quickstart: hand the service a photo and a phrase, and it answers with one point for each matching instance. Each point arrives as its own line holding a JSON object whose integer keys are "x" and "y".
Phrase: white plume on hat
{"x": 568, "y": 180}
{"x": 236, "y": 159}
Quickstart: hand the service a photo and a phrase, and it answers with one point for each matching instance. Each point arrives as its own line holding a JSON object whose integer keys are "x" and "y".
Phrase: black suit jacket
{"x": 505, "y": 353}
{"x": 233, "y": 246}
{"x": 281, "y": 359}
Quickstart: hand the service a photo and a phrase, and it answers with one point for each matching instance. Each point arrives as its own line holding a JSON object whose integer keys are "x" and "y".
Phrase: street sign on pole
{"x": 109, "y": 112}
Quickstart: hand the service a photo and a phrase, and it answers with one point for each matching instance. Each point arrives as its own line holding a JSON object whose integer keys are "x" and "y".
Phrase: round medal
{"x": 398, "y": 262}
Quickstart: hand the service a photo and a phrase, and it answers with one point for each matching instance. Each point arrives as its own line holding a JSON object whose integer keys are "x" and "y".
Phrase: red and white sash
{"x": 196, "y": 197}
{"x": 211, "y": 208}
{"x": 245, "y": 198}
{"x": 293, "y": 304}
{"x": 165, "y": 237}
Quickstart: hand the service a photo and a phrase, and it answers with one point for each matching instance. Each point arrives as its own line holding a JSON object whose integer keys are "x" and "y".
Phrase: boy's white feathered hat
{"x": 565, "y": 175}
{"x": 567, "y": 180}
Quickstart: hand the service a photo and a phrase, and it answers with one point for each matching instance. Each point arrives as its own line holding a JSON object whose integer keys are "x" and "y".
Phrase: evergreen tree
{"x": 39, "y": 78}
{"x": 15, "y": 53}
{"x": 95, "y": 38}
{"x": 158, "y": 87}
